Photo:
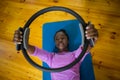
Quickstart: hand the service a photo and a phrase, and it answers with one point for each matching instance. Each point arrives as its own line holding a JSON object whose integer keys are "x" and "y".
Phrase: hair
{"x": 61, "y": 30}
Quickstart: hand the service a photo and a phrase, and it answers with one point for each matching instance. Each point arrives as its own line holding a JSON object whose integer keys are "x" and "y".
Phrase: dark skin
{"x": 61, "y": 40}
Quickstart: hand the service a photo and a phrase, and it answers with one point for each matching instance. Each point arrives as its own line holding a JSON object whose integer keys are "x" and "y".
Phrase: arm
{"x": 31, "y": 49}
{"x": 43, "y": 55}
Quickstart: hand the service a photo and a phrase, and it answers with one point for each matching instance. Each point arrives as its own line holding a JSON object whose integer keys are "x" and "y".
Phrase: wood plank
{"x": 104, "y": 14}
{"x": 14, "y": 66}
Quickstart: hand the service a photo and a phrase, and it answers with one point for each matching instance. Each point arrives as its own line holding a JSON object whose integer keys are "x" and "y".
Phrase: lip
{"x": 60, "y": 44}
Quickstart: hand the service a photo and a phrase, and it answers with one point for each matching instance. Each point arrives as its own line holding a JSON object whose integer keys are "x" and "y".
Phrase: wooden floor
{"x": 104, "y": 14}
{"x": 13, "y": 65}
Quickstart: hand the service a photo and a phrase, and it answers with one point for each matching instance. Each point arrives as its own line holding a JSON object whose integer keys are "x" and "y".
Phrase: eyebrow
{"x": 61, "y": 35}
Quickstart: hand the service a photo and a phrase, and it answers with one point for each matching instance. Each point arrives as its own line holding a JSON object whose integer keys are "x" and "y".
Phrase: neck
{"x": 63, "y": 50}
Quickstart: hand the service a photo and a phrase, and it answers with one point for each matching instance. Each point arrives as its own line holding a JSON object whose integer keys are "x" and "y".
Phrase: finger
{"x": 91, "y": 31}
{"x": 18, "y": 36}
{"x": 90, "y": 26}
{"x": 18, "y": 31}
{"x": 17, "y": 39}
{"x": 91, "y": 35}
{"x": 17, "y": 43}
{"x": 21, "y": 36}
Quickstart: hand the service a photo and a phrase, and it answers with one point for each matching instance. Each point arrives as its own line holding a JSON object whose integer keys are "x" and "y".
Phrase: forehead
{"x": 60, "y": 34}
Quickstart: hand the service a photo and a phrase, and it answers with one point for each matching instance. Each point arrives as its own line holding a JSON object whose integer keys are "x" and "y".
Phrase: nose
{"x": 60, "y": 40}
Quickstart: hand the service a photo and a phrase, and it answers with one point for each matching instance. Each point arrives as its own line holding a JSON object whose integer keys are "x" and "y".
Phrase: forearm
{"x": 31, "y": 49}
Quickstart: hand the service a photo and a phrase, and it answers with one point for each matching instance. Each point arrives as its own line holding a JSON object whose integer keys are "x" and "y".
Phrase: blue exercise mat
{"x": 72, "y": 28}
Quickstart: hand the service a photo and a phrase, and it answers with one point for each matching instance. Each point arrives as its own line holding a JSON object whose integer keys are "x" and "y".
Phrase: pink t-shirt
{"x": 56, "y": 60}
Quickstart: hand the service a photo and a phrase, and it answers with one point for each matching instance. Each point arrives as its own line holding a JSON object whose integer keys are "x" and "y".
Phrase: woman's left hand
{"x": 91, "y": 32}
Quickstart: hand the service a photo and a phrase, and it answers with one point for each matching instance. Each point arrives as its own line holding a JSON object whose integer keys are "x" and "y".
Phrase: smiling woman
{"x": 105, "y": 14}
{"x": 74, "y": 42}
{"x": 61, "y": 40}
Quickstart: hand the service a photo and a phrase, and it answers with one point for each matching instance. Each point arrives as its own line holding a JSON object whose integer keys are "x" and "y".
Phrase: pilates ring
{"x": 26, "y": 31}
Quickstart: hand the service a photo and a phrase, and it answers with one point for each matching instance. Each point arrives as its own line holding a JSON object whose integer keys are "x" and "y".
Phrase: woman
{"x": 63, "y": 56}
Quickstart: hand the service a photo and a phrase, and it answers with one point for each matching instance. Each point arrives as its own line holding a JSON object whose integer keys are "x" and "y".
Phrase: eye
{"x": 62, "y": 38}
{"x": 57, "y": 39}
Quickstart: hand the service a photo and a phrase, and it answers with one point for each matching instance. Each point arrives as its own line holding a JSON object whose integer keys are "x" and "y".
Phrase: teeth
{"x": 61, "y": 44}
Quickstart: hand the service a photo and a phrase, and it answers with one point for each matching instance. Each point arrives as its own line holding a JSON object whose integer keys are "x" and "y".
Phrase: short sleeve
{"x": 43, "y": 55}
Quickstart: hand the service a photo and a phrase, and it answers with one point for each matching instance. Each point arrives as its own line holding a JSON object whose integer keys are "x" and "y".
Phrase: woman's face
{"x": 61, "y": 41}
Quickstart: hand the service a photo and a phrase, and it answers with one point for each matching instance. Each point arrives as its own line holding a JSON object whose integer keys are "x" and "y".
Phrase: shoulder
{"x": 79, "y": 49}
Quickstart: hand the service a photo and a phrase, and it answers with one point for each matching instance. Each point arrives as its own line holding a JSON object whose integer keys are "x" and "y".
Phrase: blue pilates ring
{"x": 33, "y": 17}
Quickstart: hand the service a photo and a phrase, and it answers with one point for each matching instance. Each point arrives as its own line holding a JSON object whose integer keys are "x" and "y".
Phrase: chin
{"x": 61, "y": 49}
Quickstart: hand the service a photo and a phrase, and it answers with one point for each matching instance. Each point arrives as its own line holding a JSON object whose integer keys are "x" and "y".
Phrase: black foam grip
{"x": 91, "y": 41}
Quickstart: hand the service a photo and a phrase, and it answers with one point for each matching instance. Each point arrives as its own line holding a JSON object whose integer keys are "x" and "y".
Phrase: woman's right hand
{"x": 17, "y": 39}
